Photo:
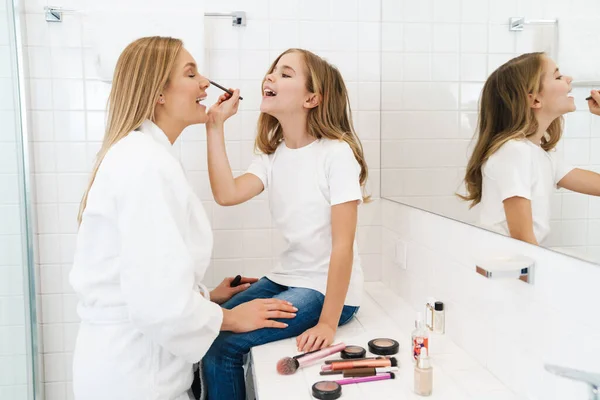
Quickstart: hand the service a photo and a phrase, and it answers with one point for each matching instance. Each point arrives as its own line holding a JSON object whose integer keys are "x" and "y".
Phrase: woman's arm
{"x": 582, "y": 181}
{"x": 226, "y": 190}
{"x": 519, "y": 219}
{"x": 343, "y": 231}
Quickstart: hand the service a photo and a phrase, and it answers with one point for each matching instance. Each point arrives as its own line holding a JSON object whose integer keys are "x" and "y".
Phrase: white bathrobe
{"x": 143, "y": 247}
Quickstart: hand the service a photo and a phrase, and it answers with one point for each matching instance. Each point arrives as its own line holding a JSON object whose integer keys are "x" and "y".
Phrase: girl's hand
{"x": 594, "y": 102}
{"x": 316, "y": 338}
{"x": 226, "y": 106}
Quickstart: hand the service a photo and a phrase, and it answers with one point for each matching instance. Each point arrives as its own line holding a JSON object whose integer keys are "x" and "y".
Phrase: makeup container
{"x": 439, "y": 317}
{"x": 419, "y": 337}
{"x": 384, "y": 347}
{"x": 423, "y": 374}
{"x": 353, "y": 352}
{"x": 435, "y": 316}
{"x": 327, "y": 390}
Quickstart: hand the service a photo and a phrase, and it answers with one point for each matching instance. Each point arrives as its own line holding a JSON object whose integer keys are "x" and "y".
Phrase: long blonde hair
{"x": 331, "y": 119}
{"x": 142, "y": 72}
{"x": 505, "y": 114}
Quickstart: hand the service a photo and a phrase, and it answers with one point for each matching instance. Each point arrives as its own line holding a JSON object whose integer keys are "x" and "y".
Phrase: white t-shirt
{"x": 520, "y": 169}
{"x": 303, "y": 185}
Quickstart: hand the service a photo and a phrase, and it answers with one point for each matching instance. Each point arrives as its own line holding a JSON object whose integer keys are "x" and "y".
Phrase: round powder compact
{"x": 327, "y": 390}
{"x": 384, "y": 347}
{"x": 352, "y": 352}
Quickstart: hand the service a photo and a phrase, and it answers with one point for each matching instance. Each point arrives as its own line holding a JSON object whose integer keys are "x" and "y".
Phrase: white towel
{"x": 579, "y": 49}
{"x": 112, "y": 24}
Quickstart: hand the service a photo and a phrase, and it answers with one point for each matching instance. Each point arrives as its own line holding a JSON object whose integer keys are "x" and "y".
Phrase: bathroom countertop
{"x": 456, "y": 375}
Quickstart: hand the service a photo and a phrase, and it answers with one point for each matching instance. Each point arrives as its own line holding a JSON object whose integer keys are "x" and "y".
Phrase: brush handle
{"x": 236, "y": 281}
{"x": 358, "y": 364}
{"x": 364, "y": 379}
{"x": 305, "y": 354}
{"x": 318, "y": 355}
{"x": 355, "y": 359}
{"x": 223, "y": 88}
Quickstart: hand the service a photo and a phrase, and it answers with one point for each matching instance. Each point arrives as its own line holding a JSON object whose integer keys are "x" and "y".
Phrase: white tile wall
{"x": 435, "y": 57}
{"x": 13, "y": 351}
{"x": 508, "y": 326}
{"x": 67, "y": 119}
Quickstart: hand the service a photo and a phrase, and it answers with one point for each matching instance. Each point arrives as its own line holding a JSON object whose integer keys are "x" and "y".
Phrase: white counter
{"x": 456, "y": 376}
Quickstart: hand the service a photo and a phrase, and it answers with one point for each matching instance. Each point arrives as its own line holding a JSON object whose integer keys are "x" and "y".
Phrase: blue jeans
{"x": 223, "y": 364}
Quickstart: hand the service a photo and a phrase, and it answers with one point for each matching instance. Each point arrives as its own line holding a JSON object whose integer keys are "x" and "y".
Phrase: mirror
{"x": 434, "y": 62}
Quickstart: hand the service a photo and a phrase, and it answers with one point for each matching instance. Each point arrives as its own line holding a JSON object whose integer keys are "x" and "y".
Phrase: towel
{"x": 112, "y": 24}
{"x": 579, "y": 49}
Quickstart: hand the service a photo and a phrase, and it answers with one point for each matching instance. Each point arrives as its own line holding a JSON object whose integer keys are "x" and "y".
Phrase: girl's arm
{"x": 581, "y": 181}
{"x": 519, "y": 218}
{"x": 226, "y": 189}
{"x": 343, "y": 230}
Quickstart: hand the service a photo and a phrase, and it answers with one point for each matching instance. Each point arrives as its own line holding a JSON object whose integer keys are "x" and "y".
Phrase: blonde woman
{"x": 144, "y": 241}
{"x": 515, "y": 168}
{"x": 313, "y": 165}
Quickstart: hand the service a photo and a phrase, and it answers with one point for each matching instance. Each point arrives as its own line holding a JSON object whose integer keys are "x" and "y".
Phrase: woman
{"x": 144, "y": 240}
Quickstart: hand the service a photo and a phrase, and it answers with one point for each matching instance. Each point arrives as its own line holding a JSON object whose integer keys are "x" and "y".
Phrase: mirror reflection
{"x": 475, "y": 130}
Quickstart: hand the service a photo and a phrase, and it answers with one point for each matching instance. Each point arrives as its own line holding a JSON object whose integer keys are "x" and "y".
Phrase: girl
{"x": 144, "y": 241}
{"x": 313, "y": 165}
{"x": 514, "y": 167}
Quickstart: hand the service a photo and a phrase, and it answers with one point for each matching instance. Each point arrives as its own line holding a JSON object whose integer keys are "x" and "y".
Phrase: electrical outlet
{"x": 400, "y": 254}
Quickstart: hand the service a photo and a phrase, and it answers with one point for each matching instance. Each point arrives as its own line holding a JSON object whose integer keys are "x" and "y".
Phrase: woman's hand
{"x": 257, "y": 314}
{"x": 318, "y": 337}
{"x": 594, "y": 102}
{"x": 226, "y": 106}
{"x": 224, "y": 291}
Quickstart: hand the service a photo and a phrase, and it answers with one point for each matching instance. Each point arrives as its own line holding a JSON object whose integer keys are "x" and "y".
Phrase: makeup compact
{"x": 327, "y": 390}
{"x": 384, "y": 347}
{"x": 353, "y": 352}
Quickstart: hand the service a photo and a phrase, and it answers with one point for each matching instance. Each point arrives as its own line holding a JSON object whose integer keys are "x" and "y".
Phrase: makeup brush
{"x": 386, "y": 362}
{"x": 363, "y": 379}
{"x": 327, "y": 362}
{"x": 289, "y": 365}
{"x": 223, "y": 89}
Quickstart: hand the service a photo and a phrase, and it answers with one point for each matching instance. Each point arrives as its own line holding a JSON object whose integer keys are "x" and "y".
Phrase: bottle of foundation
{"x": 423, "y": 374}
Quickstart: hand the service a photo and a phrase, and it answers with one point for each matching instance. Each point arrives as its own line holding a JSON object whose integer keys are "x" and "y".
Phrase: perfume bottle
{"x": 420, "y": 336}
